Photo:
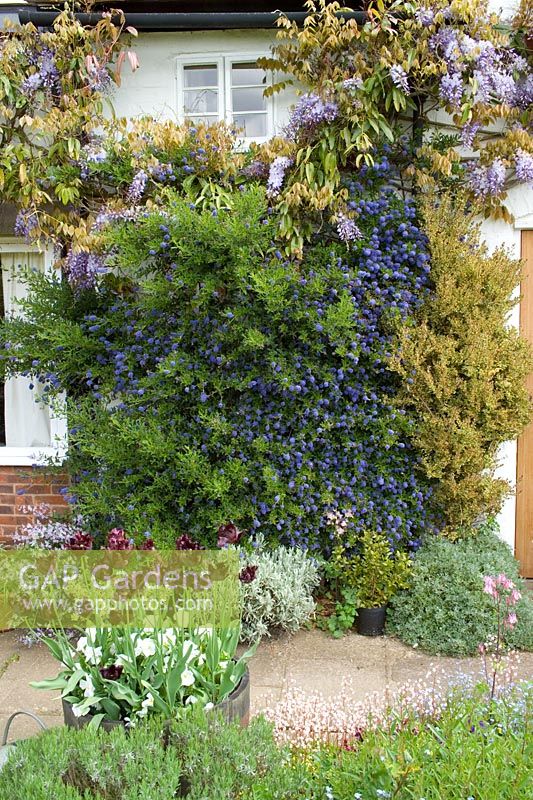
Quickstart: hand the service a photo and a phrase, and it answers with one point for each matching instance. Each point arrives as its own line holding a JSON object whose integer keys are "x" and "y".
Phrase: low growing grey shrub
{"x": 446, "y": 611}
{"x": 281, "y": 596}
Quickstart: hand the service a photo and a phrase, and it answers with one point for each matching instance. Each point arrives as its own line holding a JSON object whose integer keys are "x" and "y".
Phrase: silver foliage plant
{"x": 281, "y": 595}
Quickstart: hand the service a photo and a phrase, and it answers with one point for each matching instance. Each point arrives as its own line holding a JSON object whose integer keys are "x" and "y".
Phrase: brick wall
{"x": 26, "y": 486}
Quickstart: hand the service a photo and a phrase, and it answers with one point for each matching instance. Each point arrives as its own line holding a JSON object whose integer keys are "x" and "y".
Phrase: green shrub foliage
{"x": 471, "y": 748}
{"x": 445, "y": 611}
{"x": 209, "y": 379}
{"x": 462, "y": 366}
{"x": 196, "y": 760}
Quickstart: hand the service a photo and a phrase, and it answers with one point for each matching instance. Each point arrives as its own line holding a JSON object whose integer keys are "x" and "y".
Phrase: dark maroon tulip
{"x": 80, "y": 541}
{"x": 111, "y": 673}
{"x": 247, "y": 574}
{"x": 228, "y": 534}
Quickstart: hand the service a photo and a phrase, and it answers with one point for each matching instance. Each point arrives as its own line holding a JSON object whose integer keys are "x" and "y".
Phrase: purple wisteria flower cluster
{"x": 83, "y": 269}
{"x": 347, "y": 228}
{"x": 487, "y": 181}
{"x": 276, "y": 175}
{"x": 499, "y": 74}
{"x": 310, "y": 112}
{"x": 399, "y": 78}
{"x": 25, "y": 224}
{"x": 524, "y": 166}
{"x": 137, "y": 186}
{"x": 46, "y": 78}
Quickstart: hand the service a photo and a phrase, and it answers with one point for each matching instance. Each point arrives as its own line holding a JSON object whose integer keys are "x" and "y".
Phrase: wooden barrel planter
{"x": 235, "y": 708}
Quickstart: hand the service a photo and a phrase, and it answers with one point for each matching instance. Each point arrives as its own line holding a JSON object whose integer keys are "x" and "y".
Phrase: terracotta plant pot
{"x": 235, "y": 707}
{"x": 371, "y": 621}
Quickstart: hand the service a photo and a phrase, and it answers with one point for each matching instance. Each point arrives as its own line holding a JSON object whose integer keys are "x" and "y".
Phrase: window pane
{"x": 247, "y": 74}
{"x": 248, "y": 100}
{"x": 27, "y": 421}
{"x": 251, "y": 125}
{"x": 200, "y": 101}
{"x": 211, "y": 120}
{"x": 200, "y": 75}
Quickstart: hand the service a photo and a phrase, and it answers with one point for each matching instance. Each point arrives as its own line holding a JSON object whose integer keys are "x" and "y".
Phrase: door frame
{"x": 524, "y": 457}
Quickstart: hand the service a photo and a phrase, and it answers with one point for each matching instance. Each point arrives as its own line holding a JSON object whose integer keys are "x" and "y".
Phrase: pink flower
{"x": 514, "y": 597}
{"x": 489, "y": 586}
{"x": 505, "y": 582}
{"x": 511, "y": 620}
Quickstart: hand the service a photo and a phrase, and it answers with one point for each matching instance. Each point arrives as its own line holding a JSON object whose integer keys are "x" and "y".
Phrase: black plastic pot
{"x": 371, "y": 621}
{"x": 236, "y": 706}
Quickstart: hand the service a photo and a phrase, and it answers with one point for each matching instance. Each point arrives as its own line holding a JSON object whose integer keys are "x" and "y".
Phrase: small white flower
{"x": 168, "y": 638}
{"x": 191, "y": 649}
{"x": 148, "y": 702}
{"x": 88, "y": 686}
{"x": 81, "y": 644}
{"x": 122, "y": 660}
{"x": 209, "y": 706}
{"x": 145, "y": 647}
{"x": 187, "y": 678}
{"x": 77, "y": 710}
{"x": 93, "y": 655}
{"x": 191, "y": 700}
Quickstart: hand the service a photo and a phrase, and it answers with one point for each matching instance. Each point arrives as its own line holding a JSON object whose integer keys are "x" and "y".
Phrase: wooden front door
{"x": 524, "y": 483}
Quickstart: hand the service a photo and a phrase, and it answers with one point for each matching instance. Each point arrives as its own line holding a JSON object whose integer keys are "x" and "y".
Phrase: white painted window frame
{"x": 195, "y": 60}
{"x": 33, "y": 456}
{"x": 224, "y": 63}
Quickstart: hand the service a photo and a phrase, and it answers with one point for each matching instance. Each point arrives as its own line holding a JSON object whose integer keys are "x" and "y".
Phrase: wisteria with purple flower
{"x": 468, "y": 133}
{"x": 26, "y": 223}
{"x": 451, "y": 90}
{"x": 347, "y": 228}
{"x": 399, "y": 78}
{"x": 487, "y": 181}
{"x": 425, "y": 16}
{"x": 137, "y": 186}
{"x": 310, "y": 112}
{"x": 524, "y": 166}
{"x": 276, "y": 175}
{"x": 83, "y": 269}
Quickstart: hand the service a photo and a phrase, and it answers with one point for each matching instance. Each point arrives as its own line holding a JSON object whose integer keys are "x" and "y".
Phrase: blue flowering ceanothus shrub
{"x": 212, "y": 380}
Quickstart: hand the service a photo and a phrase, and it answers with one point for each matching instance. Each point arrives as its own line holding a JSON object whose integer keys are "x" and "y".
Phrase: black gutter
{"x": 176, "y": 21}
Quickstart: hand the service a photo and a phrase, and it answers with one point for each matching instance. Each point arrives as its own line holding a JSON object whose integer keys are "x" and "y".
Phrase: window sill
{"x": 30, "y": 456}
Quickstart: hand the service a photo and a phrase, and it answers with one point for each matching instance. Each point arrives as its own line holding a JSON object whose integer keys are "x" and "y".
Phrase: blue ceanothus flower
{"x": 288, "y": 405}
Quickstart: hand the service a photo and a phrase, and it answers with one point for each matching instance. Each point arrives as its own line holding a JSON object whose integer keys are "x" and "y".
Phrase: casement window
{"x": 230, "y": 89}
{"x": 30, "y": 433}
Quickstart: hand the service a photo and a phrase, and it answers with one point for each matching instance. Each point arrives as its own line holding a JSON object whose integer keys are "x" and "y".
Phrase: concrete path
{"x": 310, "y": 659}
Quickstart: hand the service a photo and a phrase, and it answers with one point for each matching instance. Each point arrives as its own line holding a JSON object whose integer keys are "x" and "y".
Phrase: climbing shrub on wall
{"x": 210, "y": 379}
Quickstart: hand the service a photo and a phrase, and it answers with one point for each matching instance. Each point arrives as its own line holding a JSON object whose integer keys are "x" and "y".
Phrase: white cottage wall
{"x": 152, "y": 89}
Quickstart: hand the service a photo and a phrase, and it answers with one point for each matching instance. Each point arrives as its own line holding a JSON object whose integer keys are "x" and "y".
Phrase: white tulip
{"x": 88, "y": 686}
{"x": 187, "y": 678}
{"x": 145, "y": 647}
